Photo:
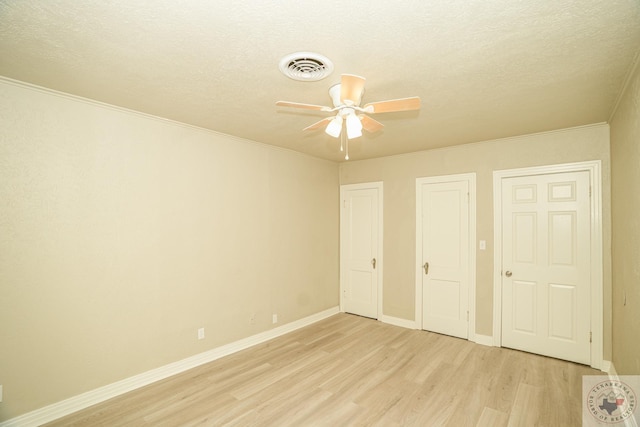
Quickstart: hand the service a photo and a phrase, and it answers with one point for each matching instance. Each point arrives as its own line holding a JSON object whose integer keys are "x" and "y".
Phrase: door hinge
{"x": 590, "y": 337}
{"x": 589, "y": 191}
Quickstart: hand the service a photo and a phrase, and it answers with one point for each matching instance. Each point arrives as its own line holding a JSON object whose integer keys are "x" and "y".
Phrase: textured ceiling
{"x": 483, "y": 69}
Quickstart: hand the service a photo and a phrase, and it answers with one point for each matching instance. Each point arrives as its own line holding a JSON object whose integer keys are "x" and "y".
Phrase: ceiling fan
{"x": 349, "y": 118}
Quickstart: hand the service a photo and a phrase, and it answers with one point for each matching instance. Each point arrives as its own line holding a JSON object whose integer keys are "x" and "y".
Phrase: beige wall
{"x": 625, "y": 210}
{"x": 122, "y": 234}
{"x": 399, "y": 173}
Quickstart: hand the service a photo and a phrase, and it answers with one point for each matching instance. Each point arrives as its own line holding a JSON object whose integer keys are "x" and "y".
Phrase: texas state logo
{"x": 611, "y": 402}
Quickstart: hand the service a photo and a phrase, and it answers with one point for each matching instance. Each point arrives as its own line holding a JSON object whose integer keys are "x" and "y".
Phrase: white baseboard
{"x": 82, "y": 401}
{"x": 396, "y": 321}
{"x": 410, "y": 324}
{"x": 483, "y": 340}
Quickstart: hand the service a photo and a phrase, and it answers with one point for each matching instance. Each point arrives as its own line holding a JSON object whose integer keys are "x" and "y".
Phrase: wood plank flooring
{"x": 352, "y": 371}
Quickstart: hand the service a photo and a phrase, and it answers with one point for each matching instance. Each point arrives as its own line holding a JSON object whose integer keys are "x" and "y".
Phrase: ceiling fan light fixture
{"x": 354, "y": 126}
{"x": 334, "y": 127}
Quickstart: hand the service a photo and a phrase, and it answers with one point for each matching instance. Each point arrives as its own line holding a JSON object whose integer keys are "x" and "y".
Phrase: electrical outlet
{"x": 201, "y": 333}
{"x": 275, "y": 318}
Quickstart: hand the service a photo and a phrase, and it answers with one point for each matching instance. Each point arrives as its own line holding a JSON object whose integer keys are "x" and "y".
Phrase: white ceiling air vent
{"x": 306, "y": 66}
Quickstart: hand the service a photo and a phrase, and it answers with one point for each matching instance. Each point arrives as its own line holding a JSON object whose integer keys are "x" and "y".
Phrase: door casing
{"x": 471, "y": 180}
{"x": 594, "y": 169}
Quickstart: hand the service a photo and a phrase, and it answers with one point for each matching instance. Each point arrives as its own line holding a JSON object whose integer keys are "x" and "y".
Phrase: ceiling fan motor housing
{"x": 334, "y": 93}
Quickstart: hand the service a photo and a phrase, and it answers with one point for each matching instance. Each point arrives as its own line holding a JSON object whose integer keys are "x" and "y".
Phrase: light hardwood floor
{"x": 352, "y": 371}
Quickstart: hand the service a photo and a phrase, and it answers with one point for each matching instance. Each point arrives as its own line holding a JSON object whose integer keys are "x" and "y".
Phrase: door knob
{"x": 508, "y": 273}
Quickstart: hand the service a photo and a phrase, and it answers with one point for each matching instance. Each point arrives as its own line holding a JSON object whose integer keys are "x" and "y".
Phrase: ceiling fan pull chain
{"x": 346, "y": 157}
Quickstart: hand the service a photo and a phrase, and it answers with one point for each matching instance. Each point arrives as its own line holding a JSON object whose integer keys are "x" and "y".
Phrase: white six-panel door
{"x": 360, "y": 248}
{"x": 444, "y": 254}
{"x": 546, "y": 251}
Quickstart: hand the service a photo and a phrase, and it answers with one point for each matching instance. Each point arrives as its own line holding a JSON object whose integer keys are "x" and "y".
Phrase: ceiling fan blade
{"x": 392, "y": 105}
{"x": 304, "y": 106}
{"x": 369, "y": 124}
{"x": 351, "y": 88}
{"x": 317, "y": 125}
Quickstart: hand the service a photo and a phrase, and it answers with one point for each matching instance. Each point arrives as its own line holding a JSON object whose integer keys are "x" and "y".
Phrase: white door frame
{"x": 471, "y": 180}
{"x": 595, "y": 182}
{"x": 379, "y": 260}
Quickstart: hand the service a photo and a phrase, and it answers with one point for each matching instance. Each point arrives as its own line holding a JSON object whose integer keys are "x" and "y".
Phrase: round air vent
{"x": 306, "y": 66}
